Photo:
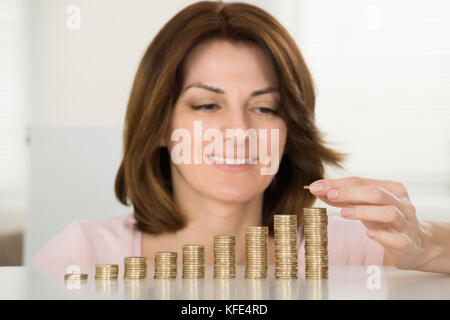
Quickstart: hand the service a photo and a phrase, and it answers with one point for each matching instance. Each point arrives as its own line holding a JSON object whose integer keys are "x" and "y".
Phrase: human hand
{"x": 386, "y": 210}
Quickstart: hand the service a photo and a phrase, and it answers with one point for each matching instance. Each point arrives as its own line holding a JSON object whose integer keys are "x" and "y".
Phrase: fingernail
{"x": 370, "y": 233}
{"x": 315, "y": 187}
{"x": 347, "y": 212}
{"x": 333, "y": 194}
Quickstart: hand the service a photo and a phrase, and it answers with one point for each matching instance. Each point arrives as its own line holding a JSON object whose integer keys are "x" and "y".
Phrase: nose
{"x": 235, "y": 118}
{"x": 235, "y": 123}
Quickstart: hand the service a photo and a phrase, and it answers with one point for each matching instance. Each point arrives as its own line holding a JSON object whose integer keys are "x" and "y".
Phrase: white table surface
{"x": 344, "y": 282}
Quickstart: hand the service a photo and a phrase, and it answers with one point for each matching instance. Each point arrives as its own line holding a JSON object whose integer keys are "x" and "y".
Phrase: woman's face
{"x": 235, "y": 74}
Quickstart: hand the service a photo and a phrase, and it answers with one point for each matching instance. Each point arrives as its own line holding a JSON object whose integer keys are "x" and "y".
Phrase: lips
{"x": 232, "y": 161}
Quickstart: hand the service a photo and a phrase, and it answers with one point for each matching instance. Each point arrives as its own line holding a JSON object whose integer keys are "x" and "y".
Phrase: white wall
{"x": 84, "y": 75}
{"x": 13, "y": 112}
{"x": 382, "y": 70}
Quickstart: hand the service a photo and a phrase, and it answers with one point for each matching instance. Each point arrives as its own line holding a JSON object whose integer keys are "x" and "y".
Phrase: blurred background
{"x": 381, "y": 70}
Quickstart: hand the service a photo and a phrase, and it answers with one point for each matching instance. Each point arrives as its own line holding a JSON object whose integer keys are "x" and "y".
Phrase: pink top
{"x": 89, "y": 242}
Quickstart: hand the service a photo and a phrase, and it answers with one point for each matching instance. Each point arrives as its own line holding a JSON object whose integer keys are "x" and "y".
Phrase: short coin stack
{"x": 75, "y": 276}
{"x": 224, "y": 257}
{"x": 135, "y": 267}
{"x": 286, "y": 254}
{"x": 256, "y": 252}
{"x": 316, "y": 243}
{"x": 165, "y": 265}
{"x": 193, "y": 261}
{"x": 106, "y": 271}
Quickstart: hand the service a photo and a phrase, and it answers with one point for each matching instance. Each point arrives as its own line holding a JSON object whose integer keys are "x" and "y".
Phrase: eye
{"x": 266, "y": 110}
{"x": 205, "y": 107}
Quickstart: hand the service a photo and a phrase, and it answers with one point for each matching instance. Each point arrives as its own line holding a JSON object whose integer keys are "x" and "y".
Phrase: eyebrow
{"x": 220, "y": 91}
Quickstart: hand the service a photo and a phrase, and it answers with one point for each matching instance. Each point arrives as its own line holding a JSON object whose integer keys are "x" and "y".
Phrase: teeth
{"x": 232, "y": 160}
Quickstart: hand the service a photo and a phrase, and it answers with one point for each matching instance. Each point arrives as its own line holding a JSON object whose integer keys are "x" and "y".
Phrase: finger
{"x": 395, "y": 240}
{"x": 374, "y": 195}
{"x": 385, "y": 214}
{"x": 321, "y": 187}
{"x": 350, "y": 196}
{"x": 333, "y": 203}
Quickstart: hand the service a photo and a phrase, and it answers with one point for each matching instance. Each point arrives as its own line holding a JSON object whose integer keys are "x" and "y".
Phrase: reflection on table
{"x": 344, "y": 282}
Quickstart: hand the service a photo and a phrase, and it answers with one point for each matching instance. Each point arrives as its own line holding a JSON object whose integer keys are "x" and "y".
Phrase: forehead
{"x": 224, "y": 62}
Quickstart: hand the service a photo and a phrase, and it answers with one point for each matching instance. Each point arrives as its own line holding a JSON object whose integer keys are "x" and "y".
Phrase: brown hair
{"x": 144, "y": 174}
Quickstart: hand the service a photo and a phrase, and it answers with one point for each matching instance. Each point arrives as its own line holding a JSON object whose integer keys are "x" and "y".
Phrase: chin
{"x": 224, "y": 186}
{"x": 233, "y": 191}
{"x": 232, "y": 194}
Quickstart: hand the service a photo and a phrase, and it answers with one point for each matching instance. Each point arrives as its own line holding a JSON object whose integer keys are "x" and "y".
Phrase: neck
{"x": 210, "y": 216}
{"x": 207, "y": 217}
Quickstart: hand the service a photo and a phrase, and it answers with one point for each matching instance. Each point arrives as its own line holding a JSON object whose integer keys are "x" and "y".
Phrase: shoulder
{"x": 108, "y": 240}
{"x": 112, "y": 227}
{"x": 348, "y": 243}
{"x": 84, "y": 242}
{"x": 65, "y": 248}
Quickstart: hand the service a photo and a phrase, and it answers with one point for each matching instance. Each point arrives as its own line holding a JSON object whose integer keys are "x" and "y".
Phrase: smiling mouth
{"x": 233, "y": 161}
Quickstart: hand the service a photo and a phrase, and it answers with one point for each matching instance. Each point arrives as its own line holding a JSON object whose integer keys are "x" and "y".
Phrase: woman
{"x": 233, "y": 66}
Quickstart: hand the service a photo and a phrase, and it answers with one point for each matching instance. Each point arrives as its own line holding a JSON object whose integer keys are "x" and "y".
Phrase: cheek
{"x": 283, "y": 137}
{"x": 180, "y": 123}
{"x": 272, "y": 141}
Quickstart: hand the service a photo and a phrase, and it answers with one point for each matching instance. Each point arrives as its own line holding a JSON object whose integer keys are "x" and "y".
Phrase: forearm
{"x": 437, "y": 243}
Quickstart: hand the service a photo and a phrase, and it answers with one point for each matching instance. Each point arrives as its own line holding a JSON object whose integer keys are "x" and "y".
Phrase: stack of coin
{"x": 316, "y": 243}
{"x": 256, "y": 250}
{"x": 286, "y": 254}
{"x": 224, "y": 257}
{"x": 193, "y": 261}
{"x": 165, "y": 265}
{"x": 135, "y": 267}
{"x": 106, "y": 271}
{"x": 75, "y": 276}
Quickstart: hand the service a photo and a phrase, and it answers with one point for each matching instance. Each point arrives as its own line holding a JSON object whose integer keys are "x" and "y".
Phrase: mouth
{"x": 232, "y": 161}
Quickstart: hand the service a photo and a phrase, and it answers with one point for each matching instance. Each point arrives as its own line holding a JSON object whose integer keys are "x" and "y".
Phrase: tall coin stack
{"x": 256, "y": 252}
{"x": 224, "y": 257}
{"x": 316, "y": 243}
{"x": 286, "y": 254}
{"x": 193, "y": 261}
{"x": 106, "y": 271}
{"x": 165, "y": 265}
{"x": 135, "y": 267}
